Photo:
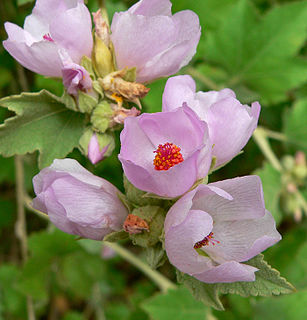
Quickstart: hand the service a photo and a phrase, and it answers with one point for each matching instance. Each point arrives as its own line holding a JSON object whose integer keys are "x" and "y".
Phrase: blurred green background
{"x": 257, "y": 48}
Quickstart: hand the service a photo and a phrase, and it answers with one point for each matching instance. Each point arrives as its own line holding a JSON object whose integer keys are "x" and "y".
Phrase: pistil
{"x": 205, "y": 242}
{"x": 167, "y": 156}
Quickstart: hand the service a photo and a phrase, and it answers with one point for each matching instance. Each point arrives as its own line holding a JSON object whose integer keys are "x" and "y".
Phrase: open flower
{"x": 165, "y": 153}
{"x": 211, "y": 230}
{"x": 53, "y": 25}
{"x": 149, "y": 38}
{"x": 78, "y": 202}
{"x": 230, "y": 123}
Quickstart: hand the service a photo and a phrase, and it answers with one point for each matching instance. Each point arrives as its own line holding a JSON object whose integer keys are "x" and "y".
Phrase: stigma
{"x": 47, "y": 37}
{"x": 206, "y": 241}
{"x": 167, "y": 156}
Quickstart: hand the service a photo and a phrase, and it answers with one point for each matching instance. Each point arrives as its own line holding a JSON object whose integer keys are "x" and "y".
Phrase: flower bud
{"x": 97, "y": 146}
{"x": 103, "y": 50}
{"x": 78, "y": 202}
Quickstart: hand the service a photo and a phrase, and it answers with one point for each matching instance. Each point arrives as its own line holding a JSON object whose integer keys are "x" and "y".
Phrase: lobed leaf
{"x": 42, "y": 123}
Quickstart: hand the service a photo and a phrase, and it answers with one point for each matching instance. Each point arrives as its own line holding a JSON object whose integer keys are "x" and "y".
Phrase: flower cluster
{"x": 210, "y": 230}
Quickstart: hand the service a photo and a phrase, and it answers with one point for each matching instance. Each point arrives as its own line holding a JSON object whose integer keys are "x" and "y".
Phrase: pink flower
{"x": 165, "y": 153}
{"x": 230, "y": 123}
{"x": 53, "y": 25}
{"x": 149, "y": 38}
{"x": 78, "y": 202}
{"x": 95, "y": 152}
{"x": 75, "y": 77}
{"x": 211, "y": 230}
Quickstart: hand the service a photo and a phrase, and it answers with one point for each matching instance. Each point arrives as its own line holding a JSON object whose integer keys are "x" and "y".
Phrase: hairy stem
{"x": 261, "y": 140}
{"x": 162, "y": 282}
{"x": 20, "y": 226}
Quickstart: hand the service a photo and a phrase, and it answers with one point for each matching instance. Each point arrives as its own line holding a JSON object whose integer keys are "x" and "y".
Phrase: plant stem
{"x": 201, "y": 77}
{"x": 20, "y": 226}
{"x": 274, "y": 135}
{"x": 162, "y": 282}
{"x": 261, "y": 140}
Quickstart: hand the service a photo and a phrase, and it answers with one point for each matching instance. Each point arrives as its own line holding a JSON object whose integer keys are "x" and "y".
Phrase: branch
{"x": 261, "y": 140}
{"x": 20, "y": 226}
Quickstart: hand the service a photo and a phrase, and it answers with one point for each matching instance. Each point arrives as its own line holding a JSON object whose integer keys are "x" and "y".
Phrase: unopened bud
{"x": 103, "y": 49}
{"x": 97, "y": 146}
{"x": 102, "y": 29}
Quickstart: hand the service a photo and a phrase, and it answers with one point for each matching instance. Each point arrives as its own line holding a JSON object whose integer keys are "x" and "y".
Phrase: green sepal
{"x": 135, "y": 195}
{"x": 130, "y": 75}
{"x": 155, "y": 256}
{"x": 69, "y": 101}
{"x": 87, "y": 64}
{"x": 86, "y": 102}
{"x": 101, "y": 116}
{"x": 154, "y": 216}
{"x": 97, "y": 87}
{"x": 104, "y": 139}
{"x": 116, "y": 236}
{"x": 213, "y": 163}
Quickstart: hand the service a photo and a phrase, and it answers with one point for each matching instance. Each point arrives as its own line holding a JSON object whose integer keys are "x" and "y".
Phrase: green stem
{"x": 162, "y": 282}
{"x": 301, "y": 201}
{"x": 20, "y": 226}
{"x": 274, "y": 135}
{"x": 201, "y": 77}
{"x": 261, "y": 140}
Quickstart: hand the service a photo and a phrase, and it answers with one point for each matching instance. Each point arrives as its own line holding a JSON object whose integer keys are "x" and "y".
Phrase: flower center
{"x": 47, "y": 37}
{"x": 167, "y": 155}
{"x": 205, "y": 242}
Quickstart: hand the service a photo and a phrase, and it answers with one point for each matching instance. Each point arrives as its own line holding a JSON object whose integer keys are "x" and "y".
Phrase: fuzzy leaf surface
{"x": 42, "y": 123}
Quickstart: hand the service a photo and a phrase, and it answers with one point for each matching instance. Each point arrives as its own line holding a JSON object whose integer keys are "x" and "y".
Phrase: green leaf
{"x": 176, "y": 304}
{"x": 292, "y": 307}
{"x": 22, "y": 2}
{"x": 204, "y": 292}
{"x": 271, "y": 183}
{"x": 268, "y": 282}
{"x": 295, "y": 127}
{"x": 260, "y": 54}
{"x": 43, "y": 123}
